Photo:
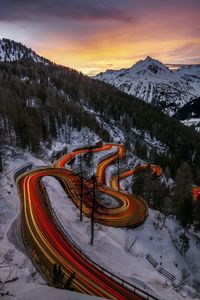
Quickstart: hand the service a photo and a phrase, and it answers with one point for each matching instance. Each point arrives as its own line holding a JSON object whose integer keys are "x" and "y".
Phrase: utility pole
{"x": 93, "y": 208}
{"x": 1, "y": 165}
{"x": 118, "y": 170}
{"x": 81, "y": 195}
{"x": 1, "y": 145}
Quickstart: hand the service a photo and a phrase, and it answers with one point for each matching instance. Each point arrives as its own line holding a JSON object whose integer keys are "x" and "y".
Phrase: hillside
{"x": 50, "y": 100}
{"x": 155, "y": 83}
{"x": 128, "y": 262}
{"x": 47, "y": 110}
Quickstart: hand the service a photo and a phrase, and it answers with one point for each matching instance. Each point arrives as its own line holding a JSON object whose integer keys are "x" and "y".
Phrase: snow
{"x": 32, "y": 103}
{"x": 15, "y": 264}
{"x": 25, "y": 78}
{"x": 153, "y": 82}
{"x": 151, "y": 141}
{"x": 149, "y": 66}
{"x": 144, "y": 79}
{"x": 32, "y": 292}
{"x": 192, "y": 122}
{"x": 12, "y": 51}
{"x": 13, "y": 257}
{"x": 77, "y": 139}
{"x": 131, "y": 265}
{"x": 191, "y": 73}
{"x": 116, "y": 134}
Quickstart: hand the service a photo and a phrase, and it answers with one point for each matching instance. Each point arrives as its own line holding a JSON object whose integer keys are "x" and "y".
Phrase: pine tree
{"x": 184, "y": 243}
{"x": 150, "y": 187}
{"x": 1, "y": 145}
{"x": 1, "y": 164}
{"x": 138, "y": 183}
{"x": 183, "y": 195}
{"x": 197, "y": 214}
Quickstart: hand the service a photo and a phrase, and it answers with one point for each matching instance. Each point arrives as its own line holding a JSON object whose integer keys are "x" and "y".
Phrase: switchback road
{"x": 48, "y": 245}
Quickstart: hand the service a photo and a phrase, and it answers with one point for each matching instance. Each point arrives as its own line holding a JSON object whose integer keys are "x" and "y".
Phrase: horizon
{"x": 94, "y": 36}
{"x": 171, "y": 66}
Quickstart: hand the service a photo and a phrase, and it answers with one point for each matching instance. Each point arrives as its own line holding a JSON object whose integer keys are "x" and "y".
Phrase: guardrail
{"x": 22, "y": 170}
{"x": 167, "y": 274}
{"x": 159, "y": 268}
{"x": 152, "y": 260}
{"x": 177, "y": 286}
{"x": 138, "y": 291}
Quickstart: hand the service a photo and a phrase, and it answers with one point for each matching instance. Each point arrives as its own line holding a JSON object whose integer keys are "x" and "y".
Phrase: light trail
{"x": 47, "y": 243}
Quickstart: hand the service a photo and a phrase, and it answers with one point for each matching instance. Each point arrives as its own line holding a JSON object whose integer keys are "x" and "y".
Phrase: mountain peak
{"x": 13, "y": 51}
{"x": 148, "y": 58}
{"x": 149, "y": 66}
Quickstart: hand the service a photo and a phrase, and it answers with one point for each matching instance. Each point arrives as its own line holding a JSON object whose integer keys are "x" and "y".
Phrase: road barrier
{"x": 152, "y": 260}
{"x": 22, "y": 170}
{"x": 177, "y": 287}
{"x": 167, "y": 274}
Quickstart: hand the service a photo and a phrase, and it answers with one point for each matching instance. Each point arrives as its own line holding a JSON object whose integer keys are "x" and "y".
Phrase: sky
{"x": 94, "y": 35}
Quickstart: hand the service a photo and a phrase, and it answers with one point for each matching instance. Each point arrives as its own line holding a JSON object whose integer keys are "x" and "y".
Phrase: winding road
{"x": 45, "y": 240}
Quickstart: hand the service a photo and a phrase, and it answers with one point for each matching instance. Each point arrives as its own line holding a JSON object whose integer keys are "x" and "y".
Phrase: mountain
{"x": 13, "y": 51}
{"x": 191, "y": 74}
{"x": 50, "y": 102}
{"x": 155, "y": 83}
{"x": 173, "y": 66}
{"x": 42, "y": 104}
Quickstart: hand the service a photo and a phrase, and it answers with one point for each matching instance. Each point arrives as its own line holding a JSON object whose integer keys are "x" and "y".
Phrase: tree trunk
{"x": 1, "y": 165}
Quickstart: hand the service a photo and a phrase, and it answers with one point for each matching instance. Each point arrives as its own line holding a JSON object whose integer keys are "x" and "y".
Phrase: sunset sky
{"x": 95, "y": 35}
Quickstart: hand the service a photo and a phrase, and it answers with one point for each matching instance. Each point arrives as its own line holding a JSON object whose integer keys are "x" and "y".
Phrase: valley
{"x": 83, "y": 140}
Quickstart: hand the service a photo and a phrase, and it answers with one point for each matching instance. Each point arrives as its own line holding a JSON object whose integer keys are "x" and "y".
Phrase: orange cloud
{"x": 93, "y": 36}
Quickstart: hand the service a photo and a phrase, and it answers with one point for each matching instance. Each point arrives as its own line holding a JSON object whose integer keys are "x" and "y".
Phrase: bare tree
{"x": 93, "y": 208}
{"x": 118, "y": 170}
{"x": 1, "y": 149}
{"x": 81, "y": 194}
{"x": 129, "y": 242}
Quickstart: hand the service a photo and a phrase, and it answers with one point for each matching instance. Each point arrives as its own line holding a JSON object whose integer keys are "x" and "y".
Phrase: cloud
{"x": 186, "y": 49}
{"x": 78, "y": 10}
{"x": 93, "y": 35}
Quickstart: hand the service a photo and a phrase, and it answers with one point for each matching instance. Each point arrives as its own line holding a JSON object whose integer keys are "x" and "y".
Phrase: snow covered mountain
{"x": 191, "y": 74}
{"x": 12, "y": 51}
{"x": 153, "y": 82}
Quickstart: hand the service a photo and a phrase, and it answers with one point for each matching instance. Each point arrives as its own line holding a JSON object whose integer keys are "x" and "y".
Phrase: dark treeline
{"x": 40, "y": 101}
{"x": 176, "y": 200}
{"x": 34, "y": 108}
{"x": 52, "y": 86}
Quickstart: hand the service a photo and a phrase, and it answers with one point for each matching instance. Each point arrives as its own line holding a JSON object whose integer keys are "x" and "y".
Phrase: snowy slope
{"x": 33, "y": 291}
{"x": 191, "y": 74}
{"x": 15, "y": 264}
{"x": 12, "y": 51}
{"x": 110, "y": 248}
{"x": 153, "y": 82}
{"x": 131, "y": 265}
